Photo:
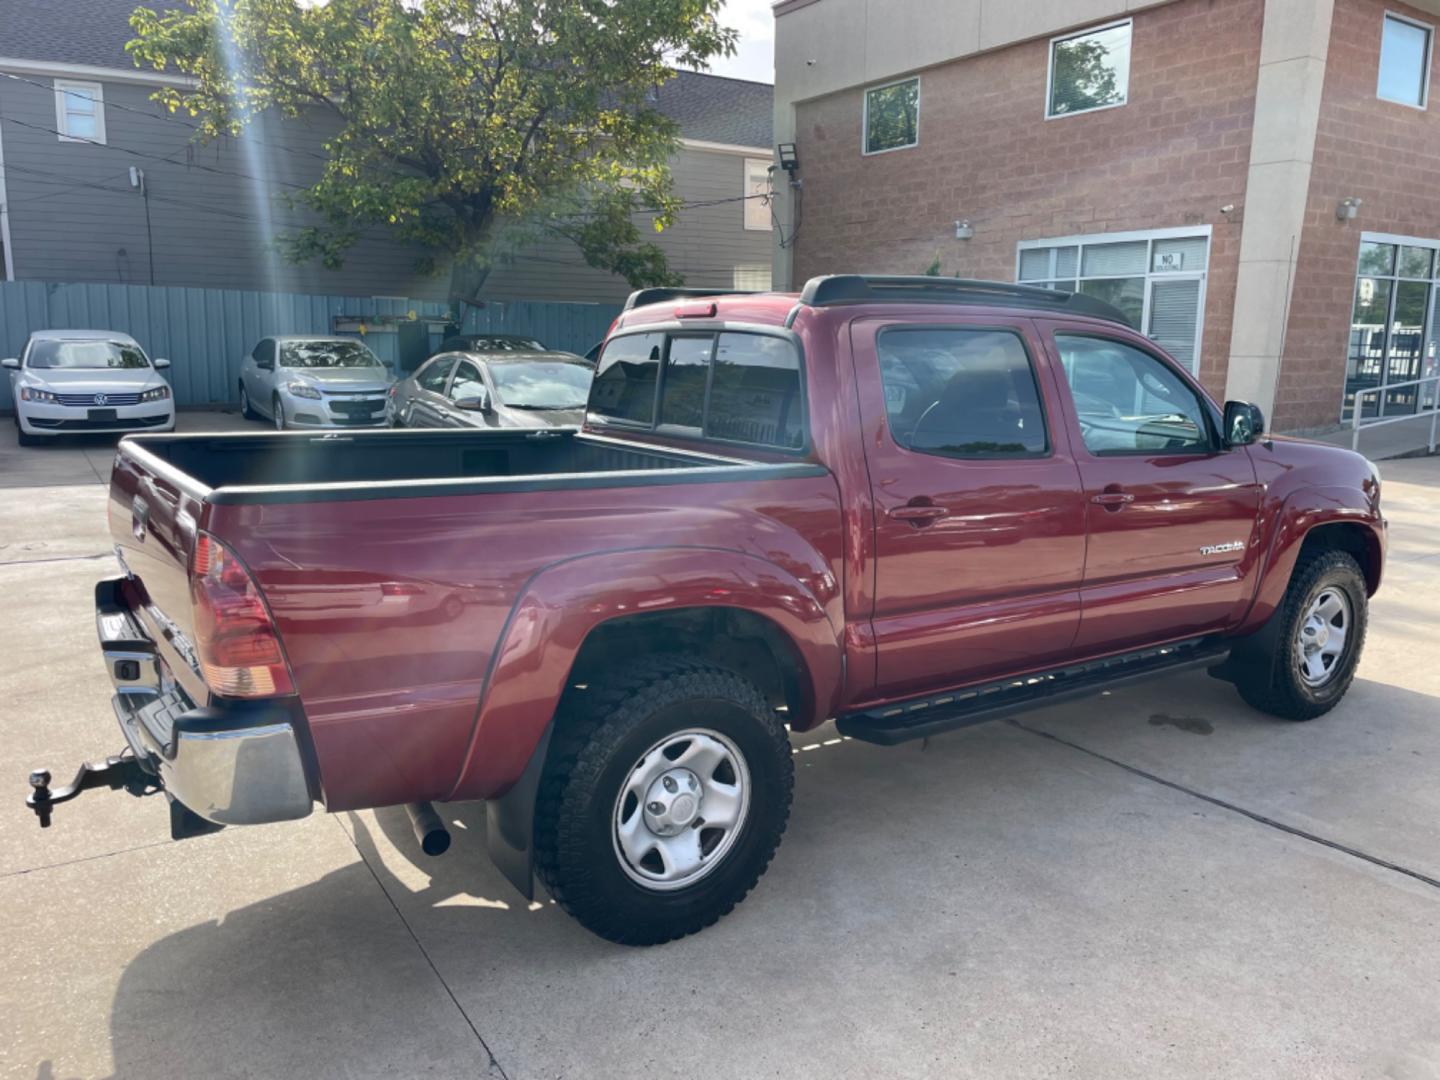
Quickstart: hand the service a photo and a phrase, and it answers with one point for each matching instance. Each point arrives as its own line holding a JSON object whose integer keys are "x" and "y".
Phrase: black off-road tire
{"x": 1273, "y": 684}
{"x": 601, "y": 735}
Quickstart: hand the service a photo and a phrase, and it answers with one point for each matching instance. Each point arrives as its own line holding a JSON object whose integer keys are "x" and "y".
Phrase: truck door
{"x": 1171, "y": 512}
{"x": 979, "y": 515}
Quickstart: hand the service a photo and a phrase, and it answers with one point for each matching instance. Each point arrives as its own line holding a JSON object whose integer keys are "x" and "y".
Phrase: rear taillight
{"x": 240, "y": 653}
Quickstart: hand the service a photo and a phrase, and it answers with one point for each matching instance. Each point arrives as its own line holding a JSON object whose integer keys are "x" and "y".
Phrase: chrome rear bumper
{"x": 239, "y": 763}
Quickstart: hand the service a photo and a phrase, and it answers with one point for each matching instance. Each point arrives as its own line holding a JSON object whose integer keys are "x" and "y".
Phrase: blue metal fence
{"x": 205, "y": 333}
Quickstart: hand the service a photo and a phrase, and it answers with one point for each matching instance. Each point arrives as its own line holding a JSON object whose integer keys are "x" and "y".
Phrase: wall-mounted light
{"x": 1348, "y": 208}
{"x": 789, "y": 161}
{"x": 964, "y": 230}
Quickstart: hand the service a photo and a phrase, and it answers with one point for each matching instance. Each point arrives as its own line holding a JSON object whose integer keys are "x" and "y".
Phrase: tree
{"x": 467, "y": 127}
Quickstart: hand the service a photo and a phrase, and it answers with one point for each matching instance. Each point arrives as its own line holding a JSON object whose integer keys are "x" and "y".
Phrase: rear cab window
{"x": 731, "y": 386}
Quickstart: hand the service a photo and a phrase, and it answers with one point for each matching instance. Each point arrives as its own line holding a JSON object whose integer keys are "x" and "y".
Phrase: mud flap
{"x": 510, "y": 823}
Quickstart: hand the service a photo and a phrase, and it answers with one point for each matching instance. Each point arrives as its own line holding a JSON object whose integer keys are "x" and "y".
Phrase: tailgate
{"x": 154, "y": 514}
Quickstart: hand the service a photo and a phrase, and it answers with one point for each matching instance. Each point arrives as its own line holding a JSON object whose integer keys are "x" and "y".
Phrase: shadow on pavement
{"x": 1035, "y": 872}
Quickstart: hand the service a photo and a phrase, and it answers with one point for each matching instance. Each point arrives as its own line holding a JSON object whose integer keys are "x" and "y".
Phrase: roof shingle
{"x": 709, "y": 108}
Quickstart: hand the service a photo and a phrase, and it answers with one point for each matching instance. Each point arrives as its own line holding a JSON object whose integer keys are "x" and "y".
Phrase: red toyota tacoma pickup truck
{"x": 909, "y": 504}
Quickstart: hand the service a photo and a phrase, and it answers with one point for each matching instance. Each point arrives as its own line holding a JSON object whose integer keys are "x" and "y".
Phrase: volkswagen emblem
{"x": 101, "y": 399}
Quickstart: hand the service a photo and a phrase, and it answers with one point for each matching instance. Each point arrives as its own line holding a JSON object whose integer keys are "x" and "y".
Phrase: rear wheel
{"x": 665, "y": 796}
{"x": 246, "y": 409}
{"x": 1315, "y": 642}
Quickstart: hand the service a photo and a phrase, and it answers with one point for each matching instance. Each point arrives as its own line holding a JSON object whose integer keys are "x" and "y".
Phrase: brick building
{"x": 1256, "y": 183}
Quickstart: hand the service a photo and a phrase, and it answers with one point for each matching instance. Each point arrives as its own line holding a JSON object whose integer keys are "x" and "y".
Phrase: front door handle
{"x": 1113, "y": 500}
{"x": 918, "y": 515}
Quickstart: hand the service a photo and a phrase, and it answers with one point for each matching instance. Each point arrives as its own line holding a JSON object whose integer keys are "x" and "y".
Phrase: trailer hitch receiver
{"x": 120, "y": 771}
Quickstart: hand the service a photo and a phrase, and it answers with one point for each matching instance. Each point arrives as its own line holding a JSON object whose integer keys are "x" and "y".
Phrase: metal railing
{"x": 1423, "y": 404}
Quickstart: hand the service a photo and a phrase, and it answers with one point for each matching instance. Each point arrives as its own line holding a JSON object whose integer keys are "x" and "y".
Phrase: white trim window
{"x": 1156, "y": 279}
{"x": 79, "y": 111}
{"x": 1089, "y": 70}
{"x": 751, "y": 277}
{"x": 892, "y": 117}
{"x": 1405, "y": 48}
{"x": 757, "y": 193}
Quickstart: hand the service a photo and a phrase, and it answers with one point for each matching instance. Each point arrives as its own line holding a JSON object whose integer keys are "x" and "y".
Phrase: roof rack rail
{"x": 640, "y": 297}
{"x": 856, "y": 288}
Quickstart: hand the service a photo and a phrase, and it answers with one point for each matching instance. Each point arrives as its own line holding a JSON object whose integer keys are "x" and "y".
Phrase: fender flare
{"x": 1298, "y": 516}
{"x": 548, "y": 625}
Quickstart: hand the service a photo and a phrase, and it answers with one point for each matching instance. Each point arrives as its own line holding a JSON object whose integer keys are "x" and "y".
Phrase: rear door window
{"x": 625, "y": 381}
{"x": 961, "y": 393}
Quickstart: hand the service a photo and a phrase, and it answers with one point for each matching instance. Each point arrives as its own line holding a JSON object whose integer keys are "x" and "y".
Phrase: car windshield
{"x": 85, "y": 355}
{"x": 326, "y": 354}
{"x": 547, "y": 384}
{"x": 500, "y": 343}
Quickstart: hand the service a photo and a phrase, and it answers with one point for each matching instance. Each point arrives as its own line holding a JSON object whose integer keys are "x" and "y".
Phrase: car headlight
{"x": 160, "y": 393}
{"x": 305, "y": 390}
{"x": 34, "y": 393}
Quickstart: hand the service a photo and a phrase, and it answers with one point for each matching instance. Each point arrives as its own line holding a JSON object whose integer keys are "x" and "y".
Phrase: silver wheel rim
{"x": 680, "y": 810}
{"x": 1320, "y": 641}
{"x": 244, "y": 402}
{"x": 279, "y": 416}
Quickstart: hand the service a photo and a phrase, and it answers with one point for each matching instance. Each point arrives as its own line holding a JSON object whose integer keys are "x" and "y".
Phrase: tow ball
{"x": 120, "y": 771}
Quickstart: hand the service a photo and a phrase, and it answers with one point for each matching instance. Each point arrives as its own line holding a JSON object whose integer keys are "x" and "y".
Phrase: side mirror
{"x": 1244, "y": 423}
{"x": 161, "y": 362}
{"x": 478, "y": 401}
{"x": 10, "y": 362}
{"x": 265, "y": 365}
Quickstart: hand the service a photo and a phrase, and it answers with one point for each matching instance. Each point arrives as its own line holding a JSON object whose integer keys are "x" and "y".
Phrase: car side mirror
{"x": 161, "y": 362}
{"x": 1244, "y": 423}
{"x": 265, "y": 365}
{"x": 10, "y": 362}
{"x": 479, "y": 401}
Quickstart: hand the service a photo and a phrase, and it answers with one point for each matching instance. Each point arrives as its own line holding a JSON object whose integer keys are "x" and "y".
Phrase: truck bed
{"x": 274, "y": 467}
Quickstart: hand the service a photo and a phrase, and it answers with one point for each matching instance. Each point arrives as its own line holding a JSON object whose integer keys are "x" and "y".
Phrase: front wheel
{"x": 664, "y": 798}
{"x": 1315, "y": 642}
{"x": 278, "y": 412}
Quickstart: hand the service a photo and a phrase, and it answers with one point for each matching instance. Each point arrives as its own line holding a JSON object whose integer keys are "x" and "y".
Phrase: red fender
{"x": 1300, "y": 513}
{"x": 561, "y": 606}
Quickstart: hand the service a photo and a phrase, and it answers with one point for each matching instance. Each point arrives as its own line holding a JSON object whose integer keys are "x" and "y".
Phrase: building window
{"x": 1156, "y": 279}
{"x": 892, "y": 116}
{"x": 751, "y": 277}
{"x": 1089, "y": 71}
{"x": 79, "y": 111}
{"x": 757, "y": 194}
{"x": 1404, "y": 62}
{"x": 1392, "y": 325}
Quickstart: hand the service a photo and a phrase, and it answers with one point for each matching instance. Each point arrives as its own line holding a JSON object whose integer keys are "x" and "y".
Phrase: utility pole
{"x": 137, "y": 180}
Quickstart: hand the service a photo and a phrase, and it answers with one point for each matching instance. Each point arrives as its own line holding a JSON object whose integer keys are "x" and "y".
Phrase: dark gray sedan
{"x": 518, "y": 390}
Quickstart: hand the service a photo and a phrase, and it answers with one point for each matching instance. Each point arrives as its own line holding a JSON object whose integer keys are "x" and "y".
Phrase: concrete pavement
{"x": 1160, "y": 882}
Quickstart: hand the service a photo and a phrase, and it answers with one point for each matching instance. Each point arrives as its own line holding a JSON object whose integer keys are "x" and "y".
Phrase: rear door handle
{"x": 918, "y": 515}
{"x": 1113, "y": 500}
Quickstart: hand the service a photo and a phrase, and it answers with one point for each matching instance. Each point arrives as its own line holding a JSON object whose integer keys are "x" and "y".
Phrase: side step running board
{"x": 902, "y": 721}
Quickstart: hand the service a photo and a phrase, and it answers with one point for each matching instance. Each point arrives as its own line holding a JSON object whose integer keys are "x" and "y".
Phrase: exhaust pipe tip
{"x": 430, "y": 831}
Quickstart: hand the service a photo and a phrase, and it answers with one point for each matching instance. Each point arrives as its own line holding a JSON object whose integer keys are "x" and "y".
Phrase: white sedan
{"x": 70, "y": 382}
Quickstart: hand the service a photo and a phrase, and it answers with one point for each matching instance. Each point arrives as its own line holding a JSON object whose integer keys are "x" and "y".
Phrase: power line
{"x": 170, "y": 118}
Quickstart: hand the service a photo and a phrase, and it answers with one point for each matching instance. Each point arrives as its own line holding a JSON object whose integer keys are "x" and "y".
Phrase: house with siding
{"x": 1255, "y": 183}
{"x": 99, "y": 184}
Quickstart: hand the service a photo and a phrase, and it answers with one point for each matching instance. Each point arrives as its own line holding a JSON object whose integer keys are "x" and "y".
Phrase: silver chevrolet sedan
{"x": 314, "y": 382}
